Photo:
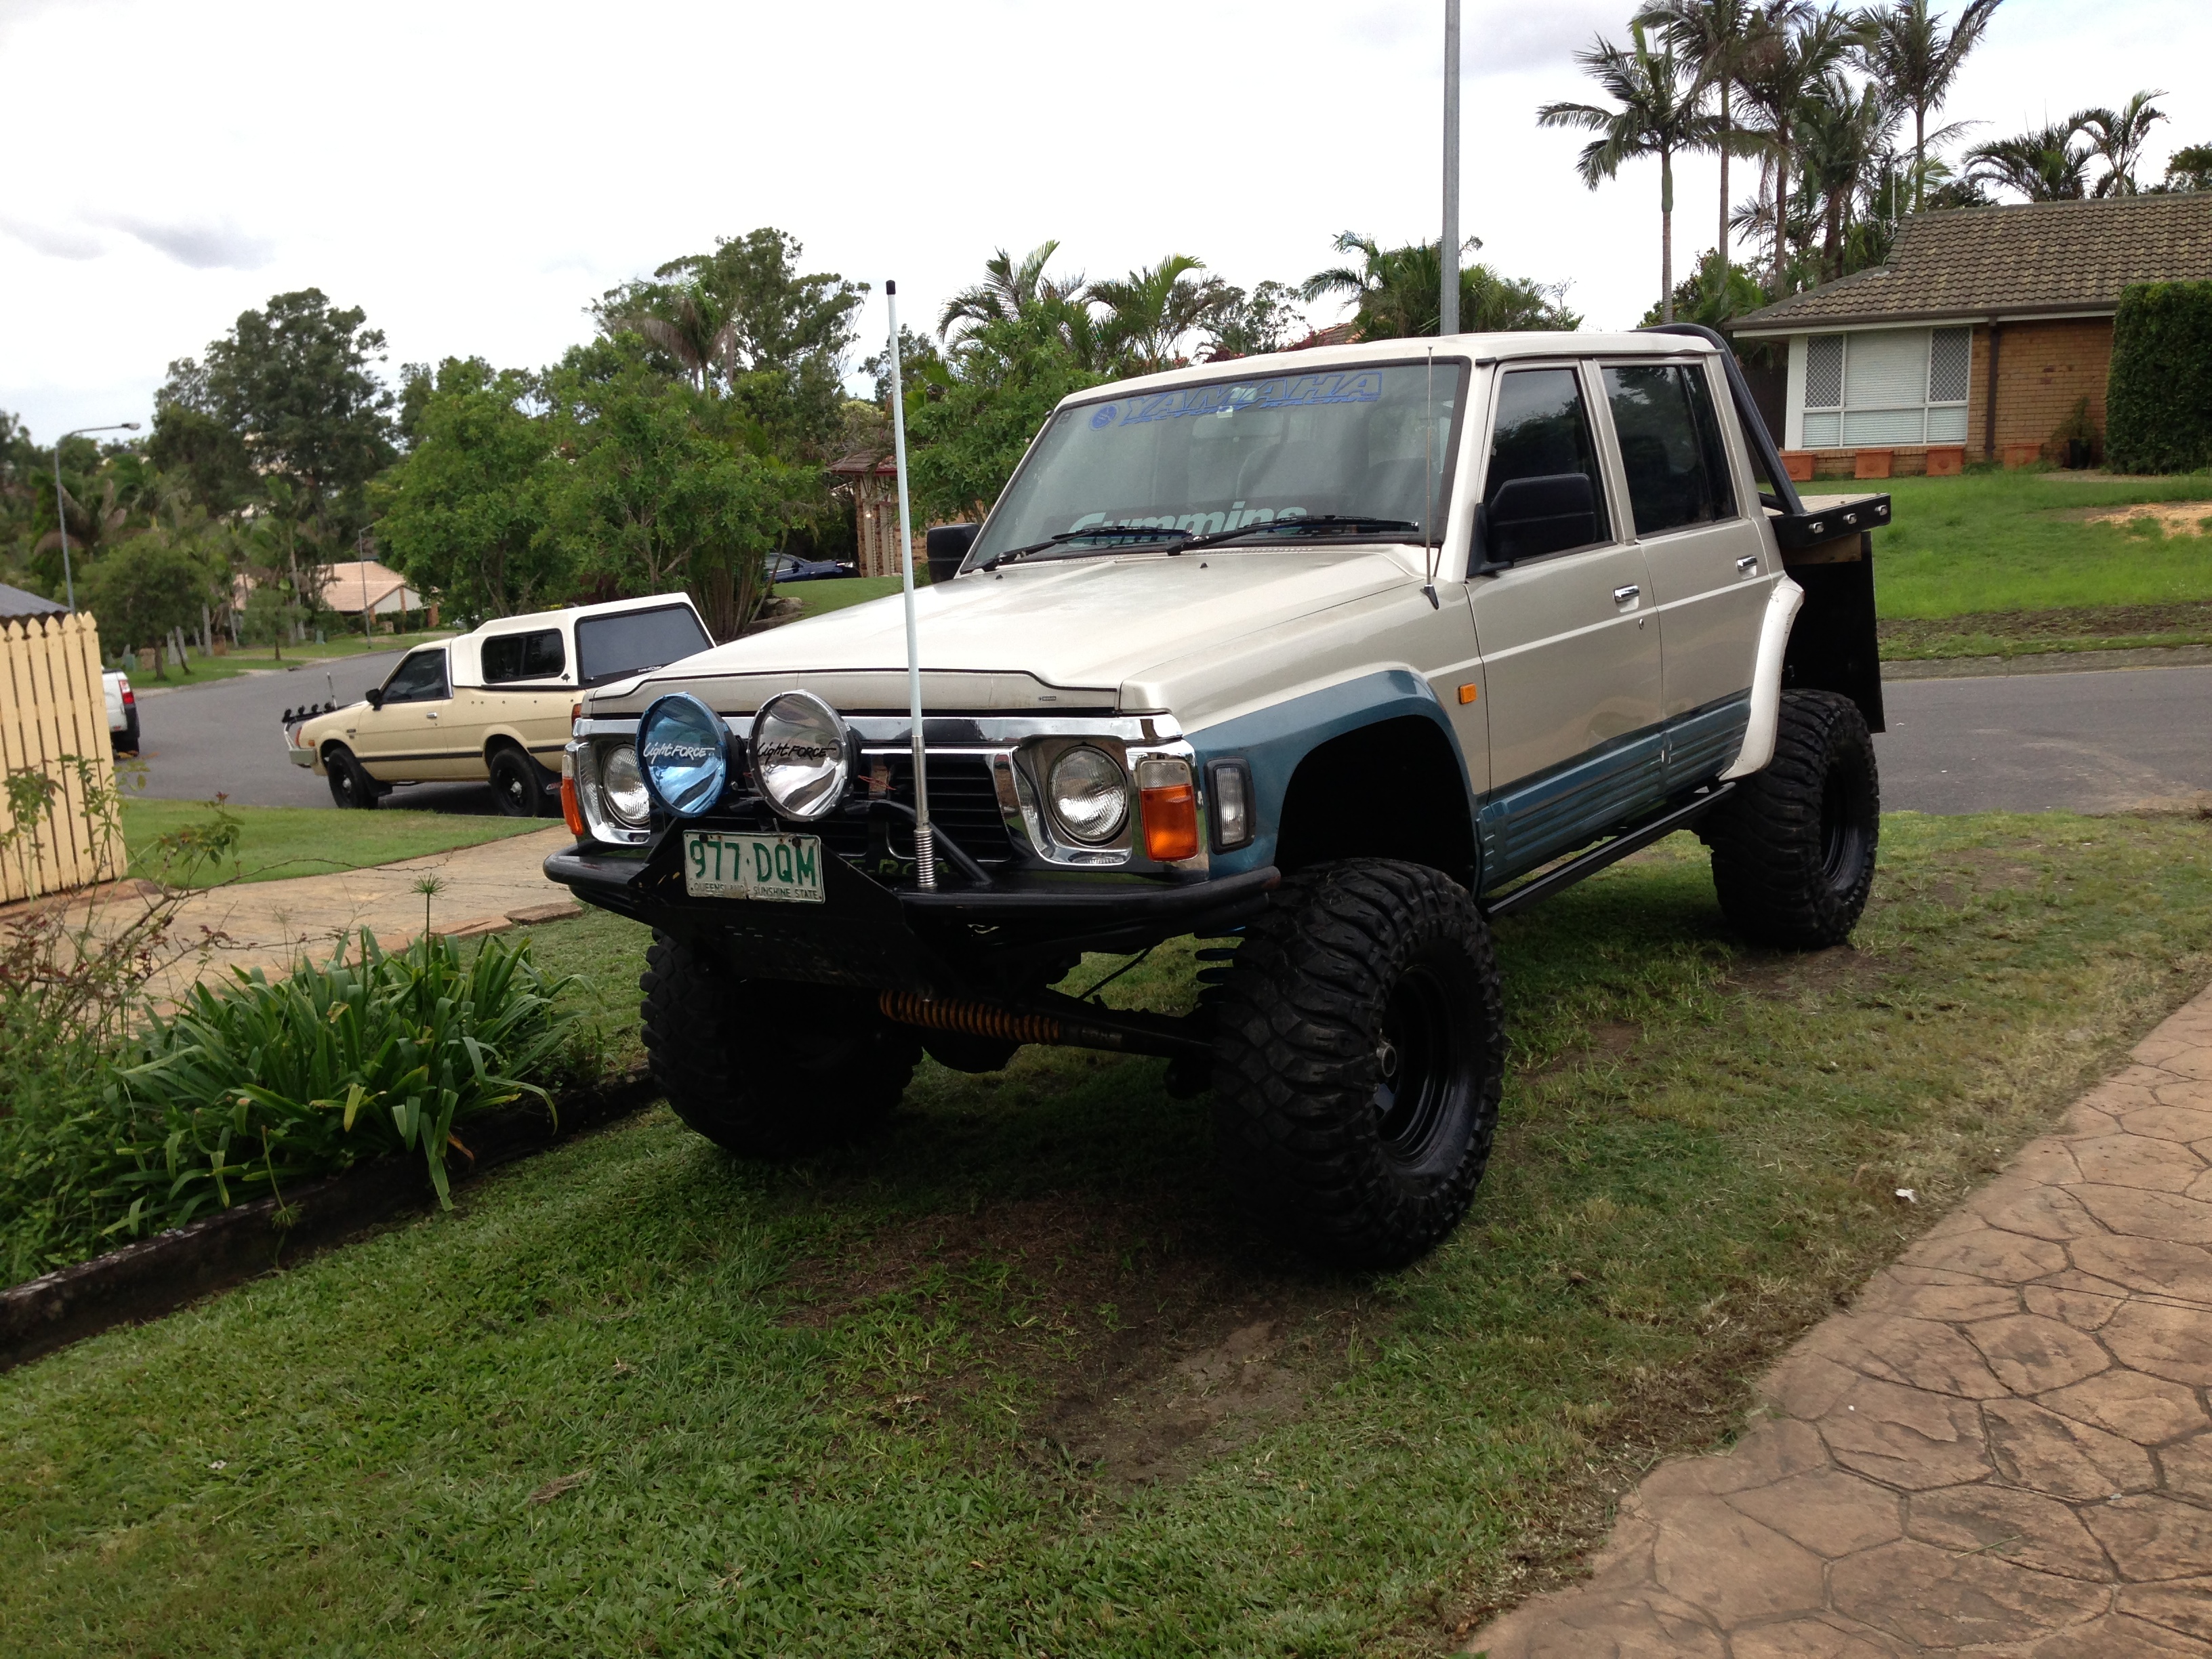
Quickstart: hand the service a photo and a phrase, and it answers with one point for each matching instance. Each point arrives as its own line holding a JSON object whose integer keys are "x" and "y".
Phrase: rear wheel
{"x": 517, "y": 784}
{"x": 350, "y": 784}
{"x": 1360, "y": 1057}
{"x": 768, "y": 1070}
{"x": 1794, "y": 846}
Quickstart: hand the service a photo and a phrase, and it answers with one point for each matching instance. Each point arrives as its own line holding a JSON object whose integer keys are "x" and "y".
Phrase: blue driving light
{"x": 684, "y": 749}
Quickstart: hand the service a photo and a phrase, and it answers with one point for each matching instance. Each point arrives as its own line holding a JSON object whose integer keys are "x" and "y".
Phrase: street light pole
{"x": 1448, "y": 314}
{"x": 61, "y": 514}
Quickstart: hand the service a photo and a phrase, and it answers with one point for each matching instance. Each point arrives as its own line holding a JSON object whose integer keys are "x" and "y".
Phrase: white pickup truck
{"x": 493, "y": 704}
{"x": 1331, "y": 659}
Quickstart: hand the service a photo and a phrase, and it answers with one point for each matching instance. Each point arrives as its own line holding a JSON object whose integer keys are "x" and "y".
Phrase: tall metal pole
{"x": 61, "y": 514}
{"x": 1448, "y": 316}
{"x": 925, "y": 842}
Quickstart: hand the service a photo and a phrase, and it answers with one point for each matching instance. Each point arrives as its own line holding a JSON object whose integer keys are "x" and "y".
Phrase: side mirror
{"x": 375, "y": 696}
{"x": 1549, "y": 513}
{"x": 948, "y": 544}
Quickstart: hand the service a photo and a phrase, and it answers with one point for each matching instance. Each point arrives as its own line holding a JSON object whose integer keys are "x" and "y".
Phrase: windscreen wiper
{"x": 1324, "y": 524}
{"x": 1093, "y": 532}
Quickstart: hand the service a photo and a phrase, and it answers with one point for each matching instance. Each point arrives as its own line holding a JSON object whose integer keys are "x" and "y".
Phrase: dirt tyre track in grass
{"x": 1794, "y": 847}
{"x": 1360, "y": 1060}
{"x": 816, "y": 1076}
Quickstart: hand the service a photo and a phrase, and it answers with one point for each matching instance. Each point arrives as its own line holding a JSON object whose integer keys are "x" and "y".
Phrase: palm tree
{"x": 1907, "y": 54}
{"x": 1790, "y": 52}
{"x": 2045, "y": 165}
{"x": 2117, "y": 137}
{"x": 700, "y": 333}
{"x": 1010, "y": 288}
{"x": 1842, "y": 140}
{"x": 1660, "y": 110}
{"x": 1713, "y": 34}
{"x": 1148, "y": 311}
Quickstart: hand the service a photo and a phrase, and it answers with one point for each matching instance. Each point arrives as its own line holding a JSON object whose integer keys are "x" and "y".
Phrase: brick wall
{"x": 2043, "y": 370}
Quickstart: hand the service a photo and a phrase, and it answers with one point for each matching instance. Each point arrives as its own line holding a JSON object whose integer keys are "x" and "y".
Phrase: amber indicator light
{"x": 573, "y": 810}
{"x": 1469, "y": 692}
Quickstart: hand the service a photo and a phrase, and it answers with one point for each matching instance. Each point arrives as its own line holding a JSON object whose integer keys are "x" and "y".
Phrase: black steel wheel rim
{"x": 1418, "y": 1065}
{"x": 1843, "y": 827}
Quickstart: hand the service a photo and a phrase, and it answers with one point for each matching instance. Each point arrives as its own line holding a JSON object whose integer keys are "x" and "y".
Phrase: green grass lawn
{"x": 277, "y": 841}
{"x": 1993, "y": 542}
{"x": 246, "y": 659}
{"x": 1007, "y": 1382}
{"x": 817, "y": 599}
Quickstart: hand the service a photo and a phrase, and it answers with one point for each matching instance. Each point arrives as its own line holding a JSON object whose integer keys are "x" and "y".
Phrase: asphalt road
{"x": 197, "y": 741}
{"x": 2095, "y": 741}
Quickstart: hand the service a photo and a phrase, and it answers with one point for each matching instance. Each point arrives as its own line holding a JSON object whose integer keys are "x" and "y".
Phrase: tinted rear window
{"x": 536, "y": 656}
{"x": 608, "y": 647}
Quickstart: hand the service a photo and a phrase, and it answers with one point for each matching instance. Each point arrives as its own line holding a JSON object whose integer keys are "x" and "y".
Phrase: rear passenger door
{"x": 1709, "y": 574}
{"x": 1571, "y": 667}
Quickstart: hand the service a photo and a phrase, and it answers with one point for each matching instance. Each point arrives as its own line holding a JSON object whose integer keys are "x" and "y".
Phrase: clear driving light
{"x": 1089, "y": 796}
{"x": 802, "y": 755}
{"x": 622, "y": 786}
{"x": 683, "y": 747}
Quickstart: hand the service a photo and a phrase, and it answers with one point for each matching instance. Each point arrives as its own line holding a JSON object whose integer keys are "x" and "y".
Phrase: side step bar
{"x": 1631, "y": 839}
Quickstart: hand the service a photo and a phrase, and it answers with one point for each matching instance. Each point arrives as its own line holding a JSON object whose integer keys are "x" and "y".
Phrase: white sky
{"x": 473, "y": 174}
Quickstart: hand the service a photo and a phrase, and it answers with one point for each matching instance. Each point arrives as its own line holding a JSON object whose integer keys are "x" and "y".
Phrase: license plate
{"x": 784, "y": 868}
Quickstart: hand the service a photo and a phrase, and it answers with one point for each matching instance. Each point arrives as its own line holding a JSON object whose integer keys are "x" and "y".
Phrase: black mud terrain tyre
{"x": 766, "y": 1069}
{"x": 517, "y": 784}
{"x": 1794, "y": 845}
{"x": 350, "y": 784}
{"x": 1359, "y": 1055}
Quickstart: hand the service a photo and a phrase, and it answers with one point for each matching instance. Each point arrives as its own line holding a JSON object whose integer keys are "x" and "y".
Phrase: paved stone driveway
{"x": 2003, "y": 1448}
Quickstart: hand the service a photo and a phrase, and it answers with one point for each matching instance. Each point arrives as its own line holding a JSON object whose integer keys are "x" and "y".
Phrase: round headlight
{"x": 802, "y": 756}
{"x": 1089, "y": 796}
{"x": 622, "y": 786}
{"x": 683, "y": 745}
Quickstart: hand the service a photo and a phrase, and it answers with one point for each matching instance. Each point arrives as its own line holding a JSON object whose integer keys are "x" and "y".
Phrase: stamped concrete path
{"x": 2003, "y": 1448}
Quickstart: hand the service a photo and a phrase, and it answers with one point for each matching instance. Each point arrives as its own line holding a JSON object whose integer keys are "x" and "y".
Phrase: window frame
{"x": 1718, "y": 398}
{"x": 1607, "y": 458}
{"x": 483, "y": 650}
{"x": 1841, "y": 411}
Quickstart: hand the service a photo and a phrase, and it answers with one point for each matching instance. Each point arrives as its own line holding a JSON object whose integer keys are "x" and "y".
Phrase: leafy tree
{"x": 294, "y": 385}
{"x": 148, "y": 584}
{"x": 2045, "y": 165}
{"x": 1904, "y": 48}
{"x": 659, "y": 490}
{"x": 1716, "y": 292}
{"x": 1658, "y": 109}
{"x": 1150, "y": 311}
{"x": 2189, "y": 168}
{"x": 1400, "y": 292}
{"x": 1250, "y": 325}
{"x": 201, "y": 448}
{"x": 464, "y": 512}
{"x": 1003, "y": 380}
{"x": 2117, "y": 138}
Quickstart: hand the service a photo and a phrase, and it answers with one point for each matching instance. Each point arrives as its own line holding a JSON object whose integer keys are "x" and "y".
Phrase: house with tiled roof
{"x": 1979, "y": 338}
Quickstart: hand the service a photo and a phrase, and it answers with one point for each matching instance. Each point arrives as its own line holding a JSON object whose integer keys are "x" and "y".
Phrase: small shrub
{"x": 252, "y": 1084}
{"x": 2159, "y": 400}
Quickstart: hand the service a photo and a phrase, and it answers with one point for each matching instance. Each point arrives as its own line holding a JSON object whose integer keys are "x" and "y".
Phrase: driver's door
{"x": 402, "y": 741}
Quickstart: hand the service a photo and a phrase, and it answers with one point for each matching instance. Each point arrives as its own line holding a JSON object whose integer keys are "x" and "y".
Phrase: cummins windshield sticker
{"x": 1294, "y": 392}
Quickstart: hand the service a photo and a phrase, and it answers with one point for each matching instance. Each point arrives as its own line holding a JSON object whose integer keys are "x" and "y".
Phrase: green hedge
{"x": 2157, "y": 404}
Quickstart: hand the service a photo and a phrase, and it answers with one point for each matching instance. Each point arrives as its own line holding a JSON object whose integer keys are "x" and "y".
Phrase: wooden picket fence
{"x": 58, "y": 823}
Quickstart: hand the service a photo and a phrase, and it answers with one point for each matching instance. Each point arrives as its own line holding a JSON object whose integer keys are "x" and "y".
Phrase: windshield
{"x": 1367, "y": 443}
{"x": 609, "y": 648}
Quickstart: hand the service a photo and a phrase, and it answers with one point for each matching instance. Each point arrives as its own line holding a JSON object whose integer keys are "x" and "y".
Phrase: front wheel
{"x": 350, "y": 784}
{"x": 764, "y": 1069}
{"x": 1794, "y": 845}
{"x": 1359, "y": 1060}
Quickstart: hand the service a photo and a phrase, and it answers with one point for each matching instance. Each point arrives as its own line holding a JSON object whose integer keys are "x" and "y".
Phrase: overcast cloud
{"x": 473, "y": 174}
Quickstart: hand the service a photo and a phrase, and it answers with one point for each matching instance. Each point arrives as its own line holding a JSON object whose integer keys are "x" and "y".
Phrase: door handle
{"x": 1747, "y": 564}
{"x": 1623, "y": 594}
{"x": 430, "y": 714}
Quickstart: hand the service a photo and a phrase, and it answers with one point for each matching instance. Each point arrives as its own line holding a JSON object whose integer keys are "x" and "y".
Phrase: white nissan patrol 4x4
{"x": 1329, "y": 658}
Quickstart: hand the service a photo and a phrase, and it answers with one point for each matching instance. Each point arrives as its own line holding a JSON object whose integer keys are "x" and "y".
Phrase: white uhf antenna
{"x": 925, "y": 845}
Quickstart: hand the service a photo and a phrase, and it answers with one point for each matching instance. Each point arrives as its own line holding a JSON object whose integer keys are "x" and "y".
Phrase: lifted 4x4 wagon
{"x": 1329, "y": 658}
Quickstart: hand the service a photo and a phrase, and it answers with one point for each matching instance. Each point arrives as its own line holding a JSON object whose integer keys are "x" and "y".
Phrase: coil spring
{"x": 974, "y": 1018}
